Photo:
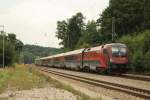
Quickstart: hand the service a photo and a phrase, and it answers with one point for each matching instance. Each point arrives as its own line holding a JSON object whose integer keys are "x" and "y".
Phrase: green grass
{"x": 19, "y": 78}
{"x": 22, "y": 77}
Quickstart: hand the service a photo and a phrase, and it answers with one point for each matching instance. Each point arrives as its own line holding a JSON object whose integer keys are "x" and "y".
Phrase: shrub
{"x": 139, "y": 50}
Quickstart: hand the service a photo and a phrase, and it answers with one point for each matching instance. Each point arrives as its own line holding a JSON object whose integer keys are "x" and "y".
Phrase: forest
{"x": 32, "y": 52}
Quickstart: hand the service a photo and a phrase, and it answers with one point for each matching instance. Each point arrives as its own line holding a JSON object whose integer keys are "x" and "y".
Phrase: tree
{"x": 9, "y": 50}
{"x": 12, "y": 37}
{"x": 12, "y": 46}
{"x": 62, "y": 32}
{"x": 129, "y": 17}
{"x": 75, "y": 26}
{"x": 139, "y": 50}
{"x": 146, "y": 14}
{"x": 70, "y": 32}
{"x": 90, "y": 35}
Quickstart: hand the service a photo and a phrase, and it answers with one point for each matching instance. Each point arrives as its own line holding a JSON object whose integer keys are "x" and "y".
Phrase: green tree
{"x": 131, "y": 16}
{"x": 146, "y": 14}
{"x": 12, "y": 46}
{"x": 75, "y": 26}
{"x": 70, "y": 32}
{"x": 90, "y": 35}
{"x": 62, "y": 32}
{"x": 139, "y": 50}
{"x": 9, "y": 55}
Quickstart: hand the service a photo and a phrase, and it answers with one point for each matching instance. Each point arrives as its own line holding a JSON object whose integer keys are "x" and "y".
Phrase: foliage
{"x": 131, "y": 16}
{"x": 90, "y": 36}
{"x": 31, "y": 52}
{"x": 76, "y": 34}
{"x": 139, "y": 47}
{"x": 70, "y": 31}
{"x": 62, "y": 32}
{"x": 12, "y": 50}
{"x": 9, "y": 56}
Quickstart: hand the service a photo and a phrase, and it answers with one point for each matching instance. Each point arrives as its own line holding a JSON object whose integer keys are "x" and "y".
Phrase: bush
{"x": 139, "y": 50}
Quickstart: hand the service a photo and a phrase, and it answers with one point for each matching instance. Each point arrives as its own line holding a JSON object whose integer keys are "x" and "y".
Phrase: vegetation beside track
{"x": 22, "y": 77}
{"x": 19, "y": 78}
{"x": 12, "y": 49}
{"x": 139, "y": 51}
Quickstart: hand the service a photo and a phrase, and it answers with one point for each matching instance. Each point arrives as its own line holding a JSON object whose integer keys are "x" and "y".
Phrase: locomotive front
{"x": 118, "y": 57}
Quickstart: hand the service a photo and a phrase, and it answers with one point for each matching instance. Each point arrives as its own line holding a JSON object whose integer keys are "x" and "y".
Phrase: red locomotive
{"x": 107, "y": 58}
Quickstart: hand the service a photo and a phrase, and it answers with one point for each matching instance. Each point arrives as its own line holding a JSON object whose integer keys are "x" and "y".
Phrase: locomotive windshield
{"x": 119, "y": 51}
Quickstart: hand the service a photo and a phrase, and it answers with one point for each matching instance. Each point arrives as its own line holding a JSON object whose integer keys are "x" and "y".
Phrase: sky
{"x": 35, "y": 21}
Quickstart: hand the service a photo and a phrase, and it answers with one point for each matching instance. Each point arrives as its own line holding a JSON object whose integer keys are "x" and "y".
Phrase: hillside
{"x": 31, "y": 52}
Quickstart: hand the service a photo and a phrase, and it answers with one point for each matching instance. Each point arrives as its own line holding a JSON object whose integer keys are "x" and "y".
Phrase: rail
{"x": 122, "y": 88}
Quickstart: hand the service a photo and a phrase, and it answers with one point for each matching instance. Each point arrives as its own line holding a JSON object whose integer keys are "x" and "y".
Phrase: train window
{"x": 123, "y": 51}
{"x": 118, "y": 51}
{"x": 56, "y": 59}
{"x": 115, "y": 51}
{"x": 73, "y": 57}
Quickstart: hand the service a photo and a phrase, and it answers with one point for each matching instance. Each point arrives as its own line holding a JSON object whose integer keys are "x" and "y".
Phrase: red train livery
{"x": 109, "y": 58}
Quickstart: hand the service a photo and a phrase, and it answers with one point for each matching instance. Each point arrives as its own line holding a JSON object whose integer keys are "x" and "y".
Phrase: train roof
{"x": 81, "y": 50}
{"x": 117, "y": 44}
{"x": 64, "y": 54}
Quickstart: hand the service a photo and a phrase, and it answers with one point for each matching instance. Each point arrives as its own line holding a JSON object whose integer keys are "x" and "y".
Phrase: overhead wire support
{"x": 113, "y": 28}
{"x": 2, "y": 32}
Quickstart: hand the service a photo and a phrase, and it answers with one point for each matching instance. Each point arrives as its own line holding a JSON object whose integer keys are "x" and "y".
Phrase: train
{"x": 106, "y": 58}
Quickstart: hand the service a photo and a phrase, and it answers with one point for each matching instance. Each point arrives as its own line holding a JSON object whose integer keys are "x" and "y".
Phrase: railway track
{"x": 131, "y": 76}
{"x": 136, "y": 77}
{"x": 142, "y": 93}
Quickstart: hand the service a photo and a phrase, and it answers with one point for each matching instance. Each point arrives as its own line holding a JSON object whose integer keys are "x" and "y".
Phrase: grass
{"x": 22, "y": 77}
{"x": 19, "y": 78}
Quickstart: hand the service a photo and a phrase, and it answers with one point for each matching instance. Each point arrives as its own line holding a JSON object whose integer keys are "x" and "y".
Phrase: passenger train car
{"x": 110, "y": 58}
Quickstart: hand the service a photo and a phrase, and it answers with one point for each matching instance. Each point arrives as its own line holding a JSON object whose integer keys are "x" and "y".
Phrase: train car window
{"x": 56, "y": 59}
{"x": 72, "y": 57}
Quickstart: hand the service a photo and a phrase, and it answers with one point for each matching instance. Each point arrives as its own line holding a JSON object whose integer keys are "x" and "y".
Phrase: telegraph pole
{"x": 3, "y": 45}
{"x": 113, "y": 28}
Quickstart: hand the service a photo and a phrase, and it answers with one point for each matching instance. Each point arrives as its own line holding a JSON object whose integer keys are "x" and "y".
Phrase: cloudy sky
{"x": 35, "y": 21}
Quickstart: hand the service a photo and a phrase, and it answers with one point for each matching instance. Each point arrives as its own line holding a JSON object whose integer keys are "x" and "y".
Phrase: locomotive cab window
{"x": 118, "y": 51}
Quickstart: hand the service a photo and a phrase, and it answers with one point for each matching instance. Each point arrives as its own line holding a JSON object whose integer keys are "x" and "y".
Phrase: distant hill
{"x": 31, "y": 52}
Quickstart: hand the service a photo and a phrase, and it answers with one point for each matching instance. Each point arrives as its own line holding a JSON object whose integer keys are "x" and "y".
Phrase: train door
{"x": 106, "y": 57}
